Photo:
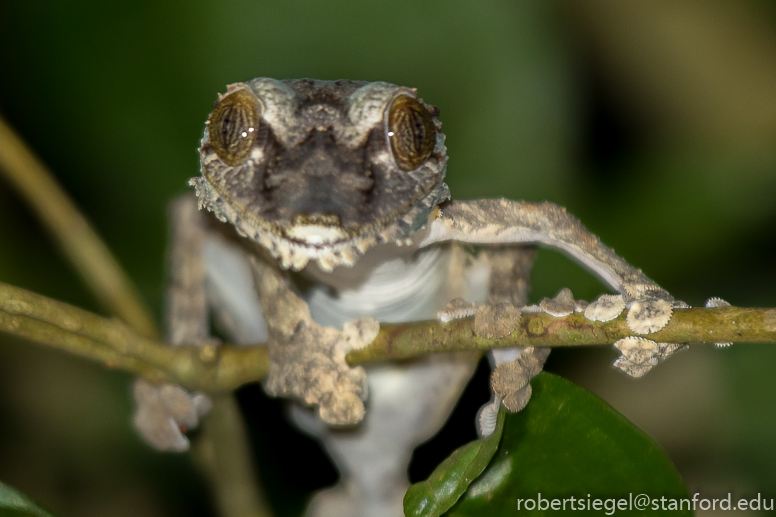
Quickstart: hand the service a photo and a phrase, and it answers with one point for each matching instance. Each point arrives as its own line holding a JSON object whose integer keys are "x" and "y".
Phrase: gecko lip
{"x": 330, "y": 246}
{"x": 316, "y": 234}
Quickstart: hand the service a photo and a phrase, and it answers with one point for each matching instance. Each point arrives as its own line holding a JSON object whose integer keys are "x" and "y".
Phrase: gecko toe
{"x": 647, "y": 316}
{"x": 455, "y": 309}
{"x": 562, "y": 305}
{"x": 719, "y": 302}
{"x": 639, "y": 355}
{"x": 605, "y": 308}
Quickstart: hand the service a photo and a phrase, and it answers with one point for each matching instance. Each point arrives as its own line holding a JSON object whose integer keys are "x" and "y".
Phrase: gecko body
{"x": 332, "y": 215}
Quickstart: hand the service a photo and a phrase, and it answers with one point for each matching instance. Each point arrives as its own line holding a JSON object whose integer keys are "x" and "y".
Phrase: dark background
{"x": 654, "y": 122}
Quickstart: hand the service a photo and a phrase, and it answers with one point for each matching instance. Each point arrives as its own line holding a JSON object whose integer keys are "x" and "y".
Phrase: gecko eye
{"x": 233, "y": 127}
{"x": 411, "y": 132}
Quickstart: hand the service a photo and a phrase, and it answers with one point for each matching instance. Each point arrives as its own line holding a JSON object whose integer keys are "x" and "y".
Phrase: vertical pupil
{"x": 414, "y": 130}
{"x": 419, "y": 134}
{"x": 231, "y": 127}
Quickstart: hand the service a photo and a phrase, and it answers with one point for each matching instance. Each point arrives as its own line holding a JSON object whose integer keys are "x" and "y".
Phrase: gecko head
{"x": 321, "y": 170}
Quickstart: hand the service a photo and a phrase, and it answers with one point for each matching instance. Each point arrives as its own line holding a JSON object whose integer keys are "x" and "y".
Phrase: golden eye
{"x": 233, "y": 127}
{"x": 411, "y": 132}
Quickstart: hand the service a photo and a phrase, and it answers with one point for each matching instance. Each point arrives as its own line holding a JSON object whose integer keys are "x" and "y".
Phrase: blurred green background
{"x": 654, "y": 122}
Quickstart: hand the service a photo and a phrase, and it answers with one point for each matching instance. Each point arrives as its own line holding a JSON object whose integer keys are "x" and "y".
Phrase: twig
{"x": 697, "y": 325}
{"x": 109, "y": 341}
{"x": 220, "y": 369}
{"x": 223, "y": 451}
{"x": 80, "y": 243}
{"x": 231, "y": 474}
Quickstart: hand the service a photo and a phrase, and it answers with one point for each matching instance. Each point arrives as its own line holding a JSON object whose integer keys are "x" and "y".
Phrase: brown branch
{"x": 226, "y": 461}
{"x": 220, "y": 369}
{"x": 697, "y": 325}
{"x": 111, "y": 342}
{"x": 223, "y": 451}
{"x": 80, "y": 243}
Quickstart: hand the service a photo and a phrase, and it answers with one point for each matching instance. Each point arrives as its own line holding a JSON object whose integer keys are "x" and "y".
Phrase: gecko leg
{"x": 499, "y": 221}
{"x": 166, "y": 411}
{"x": 307, "y": 359}
{"x": 513, "y": 368}
{"x": 510, "y": 269}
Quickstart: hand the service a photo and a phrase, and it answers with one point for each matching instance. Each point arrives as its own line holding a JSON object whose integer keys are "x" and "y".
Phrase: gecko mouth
{"x": 317, "y": 170}
{"x": 328, "y": 244}
{"x": 317, "y": 231}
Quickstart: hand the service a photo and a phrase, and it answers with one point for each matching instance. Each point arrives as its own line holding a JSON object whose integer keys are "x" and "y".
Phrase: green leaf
{"x": 568, "y": 442}
{"x": 15, "y": 504}
{"x": 452, "y": 477}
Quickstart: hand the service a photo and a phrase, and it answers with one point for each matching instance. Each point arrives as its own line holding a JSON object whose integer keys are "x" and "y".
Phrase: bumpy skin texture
{"x": 495, "y": 221}
{"x": 306, "y": 175}
{"x": 313, "y": 176}
{"x": 321, "y": 158}
{"x": 499, "y": 221}
{"x": 320, "y": 183}
{"x": 308, "y": 360}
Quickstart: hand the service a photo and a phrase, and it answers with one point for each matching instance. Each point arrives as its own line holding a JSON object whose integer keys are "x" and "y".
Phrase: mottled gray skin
{"x": 322, "y": 156}
{"x": 320, "y": 192}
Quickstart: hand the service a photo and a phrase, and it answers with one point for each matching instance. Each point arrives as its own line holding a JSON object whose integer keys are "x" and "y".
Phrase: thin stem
{"x": 111, "y": 342}
{"x": 70, "y": 229}
{"x": 696, "y": 325}
{"x": 223, "y": 452}
{"x": 236, "y": 486}
{"x": 220, "y": 369}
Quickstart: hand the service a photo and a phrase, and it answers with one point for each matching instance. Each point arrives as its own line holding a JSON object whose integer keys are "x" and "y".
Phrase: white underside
{"x": 407, "y": 404}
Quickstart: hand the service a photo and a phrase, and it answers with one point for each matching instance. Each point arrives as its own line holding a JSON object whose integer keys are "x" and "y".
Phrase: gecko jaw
{"x": 301, "y": 244}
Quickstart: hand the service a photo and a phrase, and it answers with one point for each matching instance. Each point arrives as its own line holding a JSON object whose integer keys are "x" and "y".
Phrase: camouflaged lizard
{"x": 332, "y": 215}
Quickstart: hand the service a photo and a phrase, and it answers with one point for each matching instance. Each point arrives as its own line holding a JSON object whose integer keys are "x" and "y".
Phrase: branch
{"x": 111, "y": 342}
{"x": 224, "y": 452}
{"x": 696, "y": 325}
{"x": 223, "y": 444}
{"x": 221, "y": 369}
{"x": 78, "y": 240}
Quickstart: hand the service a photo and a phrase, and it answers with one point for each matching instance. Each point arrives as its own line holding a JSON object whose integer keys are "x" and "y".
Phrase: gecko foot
{"x": 307, "y": 360}
{"x": 648, "y": 315}
{"x": 490, "y": 321}
{"x": 511, "y": 387}
{"x": 605, "y": 308}
{"x": 562, "y": 305}
{"x": 639, "y": 355}
{"x": 496, "y": 321}
{"x": 164, "y": 413}
{"x": 310, "y": 366}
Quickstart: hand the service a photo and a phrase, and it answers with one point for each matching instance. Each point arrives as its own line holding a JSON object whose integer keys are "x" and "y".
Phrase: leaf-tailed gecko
{"x": 332, "y": 215}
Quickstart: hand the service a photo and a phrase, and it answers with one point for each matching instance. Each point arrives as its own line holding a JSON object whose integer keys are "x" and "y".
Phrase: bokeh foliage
{"x": 653, "y": 122}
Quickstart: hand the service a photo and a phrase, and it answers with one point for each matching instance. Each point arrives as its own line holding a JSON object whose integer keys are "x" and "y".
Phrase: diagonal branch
{"x": 219, "y": 369}
{"x": 78, "y": 240}
{"x": 223, "y": 444}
